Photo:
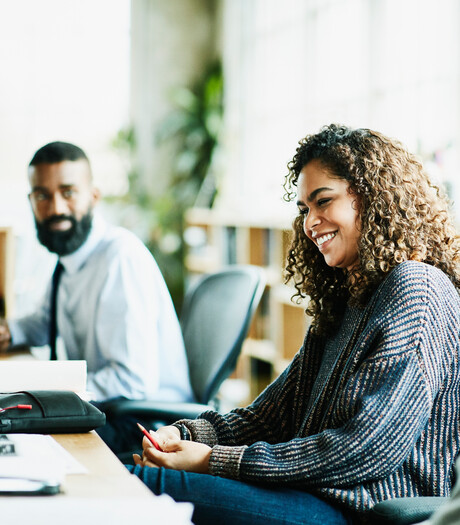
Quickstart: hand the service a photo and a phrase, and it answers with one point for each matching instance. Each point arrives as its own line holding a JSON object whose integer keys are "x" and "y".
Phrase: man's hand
{"x": 5, "y": 336}
{"x": 175, "y": 454}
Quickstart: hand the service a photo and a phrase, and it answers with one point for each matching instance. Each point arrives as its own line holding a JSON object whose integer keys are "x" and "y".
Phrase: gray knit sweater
{"x": 382, "y": 422}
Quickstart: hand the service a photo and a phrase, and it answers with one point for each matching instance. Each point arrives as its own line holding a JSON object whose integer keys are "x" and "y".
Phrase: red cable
{"x": 25, "y": 407}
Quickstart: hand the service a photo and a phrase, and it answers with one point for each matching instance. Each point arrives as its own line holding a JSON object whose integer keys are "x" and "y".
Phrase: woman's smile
{"x": 325, "y": 238}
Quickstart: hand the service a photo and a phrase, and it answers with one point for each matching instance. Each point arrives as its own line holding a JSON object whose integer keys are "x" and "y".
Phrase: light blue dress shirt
{"x": 115, "y": 311}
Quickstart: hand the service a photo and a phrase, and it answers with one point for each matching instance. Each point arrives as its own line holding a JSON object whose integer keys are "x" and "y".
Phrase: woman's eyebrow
{"x": 314, "y": 193}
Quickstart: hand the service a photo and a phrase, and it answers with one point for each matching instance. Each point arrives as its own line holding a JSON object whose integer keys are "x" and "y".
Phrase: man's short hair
{"x": 57, "y": 152}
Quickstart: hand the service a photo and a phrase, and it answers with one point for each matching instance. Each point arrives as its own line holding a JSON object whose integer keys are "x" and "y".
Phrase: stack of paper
{"x": 43, "y": 375}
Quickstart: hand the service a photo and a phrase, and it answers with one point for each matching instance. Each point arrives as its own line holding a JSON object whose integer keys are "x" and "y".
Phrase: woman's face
{"x": 330, "y": 211}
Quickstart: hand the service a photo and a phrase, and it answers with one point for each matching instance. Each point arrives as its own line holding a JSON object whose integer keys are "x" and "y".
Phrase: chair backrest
{"x": 215, "y": 320}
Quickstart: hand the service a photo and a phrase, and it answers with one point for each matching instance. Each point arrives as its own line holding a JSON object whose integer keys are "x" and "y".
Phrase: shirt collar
{"x": 74, "y": 261}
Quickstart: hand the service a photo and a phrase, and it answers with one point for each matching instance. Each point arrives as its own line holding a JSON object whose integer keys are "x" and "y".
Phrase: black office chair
{"x": 405, "y": 511}
{"x": 409, "y": 511}
{"x": 215, "y": 320}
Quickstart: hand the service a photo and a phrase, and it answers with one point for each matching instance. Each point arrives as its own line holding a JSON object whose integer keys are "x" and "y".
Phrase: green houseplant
{"x": 194, "y": 127}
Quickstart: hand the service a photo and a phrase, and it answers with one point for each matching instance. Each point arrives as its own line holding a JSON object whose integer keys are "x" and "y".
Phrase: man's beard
{"x": 68, "y": 241}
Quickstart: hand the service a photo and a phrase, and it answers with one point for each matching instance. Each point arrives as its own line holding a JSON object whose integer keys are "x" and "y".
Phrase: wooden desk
{"x": 107, "y": 476}
{"x": 20, "y": 353}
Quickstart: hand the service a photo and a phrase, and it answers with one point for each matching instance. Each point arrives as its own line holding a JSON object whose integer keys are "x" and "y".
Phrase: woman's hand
{"x": 162, "y": 435}
{"x": 175, "y": 454}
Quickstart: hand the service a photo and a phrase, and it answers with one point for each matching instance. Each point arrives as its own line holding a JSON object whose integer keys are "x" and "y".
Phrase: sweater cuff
{"x": 200, "y": 430}
{"x": 226, "y": 461}
{"x": 16, "y": 334}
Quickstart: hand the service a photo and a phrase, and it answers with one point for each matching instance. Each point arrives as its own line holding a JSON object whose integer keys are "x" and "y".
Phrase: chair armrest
{"x": 154, "y": 410}
{"x": 405, "y": 511}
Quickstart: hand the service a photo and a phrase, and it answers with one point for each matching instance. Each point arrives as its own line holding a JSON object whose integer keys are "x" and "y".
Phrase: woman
{"x": 368, "y": 408}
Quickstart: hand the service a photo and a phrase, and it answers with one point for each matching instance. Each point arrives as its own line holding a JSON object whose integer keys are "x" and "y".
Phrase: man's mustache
{"x": 58, "y": 218}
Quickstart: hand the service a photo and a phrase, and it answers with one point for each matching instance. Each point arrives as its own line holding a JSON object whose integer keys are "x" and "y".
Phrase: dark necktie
{"x": 53, "y": 325}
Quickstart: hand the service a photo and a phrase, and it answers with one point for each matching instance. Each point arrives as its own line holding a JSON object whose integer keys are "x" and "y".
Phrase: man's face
{"x": 62, "y": 199}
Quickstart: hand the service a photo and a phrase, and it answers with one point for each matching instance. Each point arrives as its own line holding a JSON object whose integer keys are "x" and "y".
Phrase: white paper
{"x": 43, "y": 375}
{"x": 35, "y": 458}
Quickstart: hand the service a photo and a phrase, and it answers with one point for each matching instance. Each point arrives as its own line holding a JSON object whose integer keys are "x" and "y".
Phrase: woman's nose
{"x": 311, "y": 220}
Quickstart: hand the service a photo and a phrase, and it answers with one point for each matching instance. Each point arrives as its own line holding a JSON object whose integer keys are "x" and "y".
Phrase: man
{"x": 113, "y": 307}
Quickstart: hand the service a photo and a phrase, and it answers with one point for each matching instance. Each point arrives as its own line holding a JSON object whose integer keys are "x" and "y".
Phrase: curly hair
{"x": 403, "y": 217}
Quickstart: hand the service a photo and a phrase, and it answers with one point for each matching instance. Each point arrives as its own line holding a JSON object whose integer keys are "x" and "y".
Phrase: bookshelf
{"x": 6, "y": 271}
{"x": 215, "y": 240}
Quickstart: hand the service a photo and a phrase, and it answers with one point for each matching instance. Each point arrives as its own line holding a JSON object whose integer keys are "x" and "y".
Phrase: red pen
{"x": 149, "y": 437}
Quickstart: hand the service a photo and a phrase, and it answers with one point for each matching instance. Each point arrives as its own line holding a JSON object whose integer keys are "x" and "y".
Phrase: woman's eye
{"x": 303, "y": 211}
{"x": 321, "y": 202}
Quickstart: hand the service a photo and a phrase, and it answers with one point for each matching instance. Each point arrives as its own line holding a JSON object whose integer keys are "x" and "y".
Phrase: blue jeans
{"x": 227, "y": 501}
